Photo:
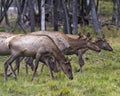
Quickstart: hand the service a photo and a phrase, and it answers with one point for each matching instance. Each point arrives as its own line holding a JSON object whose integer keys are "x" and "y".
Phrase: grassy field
{"x": 100, "y": 77}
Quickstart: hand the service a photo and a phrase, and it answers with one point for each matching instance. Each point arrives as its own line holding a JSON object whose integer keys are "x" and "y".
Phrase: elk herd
{"x": 49, "y": 48}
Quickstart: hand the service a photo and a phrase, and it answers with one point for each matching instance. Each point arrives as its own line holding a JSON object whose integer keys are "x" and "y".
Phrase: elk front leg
{"x": 38, "y": 56}
{"x": 49, "y": 66}
{"x": 8, "y": 63}
{"x": 81, "y": 61}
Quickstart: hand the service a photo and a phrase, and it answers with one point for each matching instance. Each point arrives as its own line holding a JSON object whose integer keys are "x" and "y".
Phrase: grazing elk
{"x": 4, "y": 50}
{"x": 38, "y": 47}
{"x": 66, "y": 44}
{"x": 69, "y": 45}
{"x": 101, "y": 43}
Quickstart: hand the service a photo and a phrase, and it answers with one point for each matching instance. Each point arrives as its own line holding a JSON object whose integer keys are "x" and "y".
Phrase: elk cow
{"x": 101, "y": 43}
{"x": 70, "y": 45}
{"x": 41, "y": 46}
{"x": 4, "y": 50}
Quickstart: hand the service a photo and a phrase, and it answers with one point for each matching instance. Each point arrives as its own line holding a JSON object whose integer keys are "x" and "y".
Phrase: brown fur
{"x": 36, "y": 46}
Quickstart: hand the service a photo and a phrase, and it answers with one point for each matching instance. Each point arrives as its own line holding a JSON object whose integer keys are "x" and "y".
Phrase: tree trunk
{"x": 118, "y": 11}
{"x": 75, "y": 18}
{"x": 7, "y": 5}
{"x": 43, "y": 15}
{"x": 94, "y": 18}
{"x": 0, "y": 8}
{"x": 5, "y": 15}
{"x": 114, "y": 12}
{"x": 32, "y": 15}
{"x": 66, "y": 19}
{"x": 39, "y": 12}
{"x": 55, "y": 15}
{"x": 25, "y": 7}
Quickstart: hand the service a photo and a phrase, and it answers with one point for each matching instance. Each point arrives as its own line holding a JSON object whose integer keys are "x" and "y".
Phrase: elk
{"x": 100, "y": 42}
{"x": 38, "y": 47}
{"x": 4, "y": 50}
{"x": 70, "y": 45}
{"x": 66, "y": 44}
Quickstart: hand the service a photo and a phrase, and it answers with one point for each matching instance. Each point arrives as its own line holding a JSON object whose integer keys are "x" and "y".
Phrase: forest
{"x": 79, "y": 42}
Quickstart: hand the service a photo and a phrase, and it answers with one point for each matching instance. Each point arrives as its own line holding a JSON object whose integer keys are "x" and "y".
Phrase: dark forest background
{"x": 70, "y": 16}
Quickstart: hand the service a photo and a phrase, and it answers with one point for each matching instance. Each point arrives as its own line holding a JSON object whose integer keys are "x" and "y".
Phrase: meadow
{"x": 100, "y": 77}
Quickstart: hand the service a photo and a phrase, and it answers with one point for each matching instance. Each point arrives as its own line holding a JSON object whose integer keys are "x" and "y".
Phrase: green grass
{"x": 100, "y": 77}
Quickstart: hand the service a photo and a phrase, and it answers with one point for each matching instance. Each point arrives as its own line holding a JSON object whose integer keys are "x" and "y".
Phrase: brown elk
{"x": 38, "y": 47}
{"x": 66, "y": 44}
{"x": 69, "y": 45}
{"x": 100, "y": 42}
{"x": 4, "y": 50}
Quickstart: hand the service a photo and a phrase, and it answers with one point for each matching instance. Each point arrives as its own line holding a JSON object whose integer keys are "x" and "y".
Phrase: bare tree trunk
{"x": 66, "y": 21}
{"x": 43, "y": 15}
{"x": 55, "y": 14}
{"x": 75, "y": 18}
{"x": 118, "y": 11}
{"x": 32, "y": 15}
{"x": 18, "y": 21}
{"x": 6, "y": 5}
{"x": 0, "y": 8}
{"x": 114, "y": 12}
{"x": 25, "y": 7}
{"x": 94, "y": 18}
{"x": 39, "y": 12}
{"x": 5, "y": 15}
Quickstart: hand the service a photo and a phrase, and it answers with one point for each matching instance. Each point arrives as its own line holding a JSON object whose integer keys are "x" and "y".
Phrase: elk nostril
{"x": 111, "y": 49}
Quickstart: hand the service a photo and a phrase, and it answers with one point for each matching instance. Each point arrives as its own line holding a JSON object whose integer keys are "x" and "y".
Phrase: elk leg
{"x": 18, "y": 60}
{"x": 8, "y": 63}
{"x": 50, "y": 70}
{"x": 29, "y": 61}
{"x": 81, "y": 62}
{"x": 36, "y": 65}
{"x": 26, "y": 65}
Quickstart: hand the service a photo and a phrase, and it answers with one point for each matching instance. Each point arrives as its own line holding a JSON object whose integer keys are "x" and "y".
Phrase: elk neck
{"x": 76, "y": 44}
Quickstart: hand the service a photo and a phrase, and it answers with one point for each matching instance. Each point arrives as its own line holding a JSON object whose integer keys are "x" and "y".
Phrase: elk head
{"x": 67, "y": 69}
{"x": 90, "y": 44}
{"x": 103, "y": 44}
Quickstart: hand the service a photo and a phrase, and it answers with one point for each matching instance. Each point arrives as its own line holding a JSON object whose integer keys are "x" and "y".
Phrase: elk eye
{"x": 69, "y": 70}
